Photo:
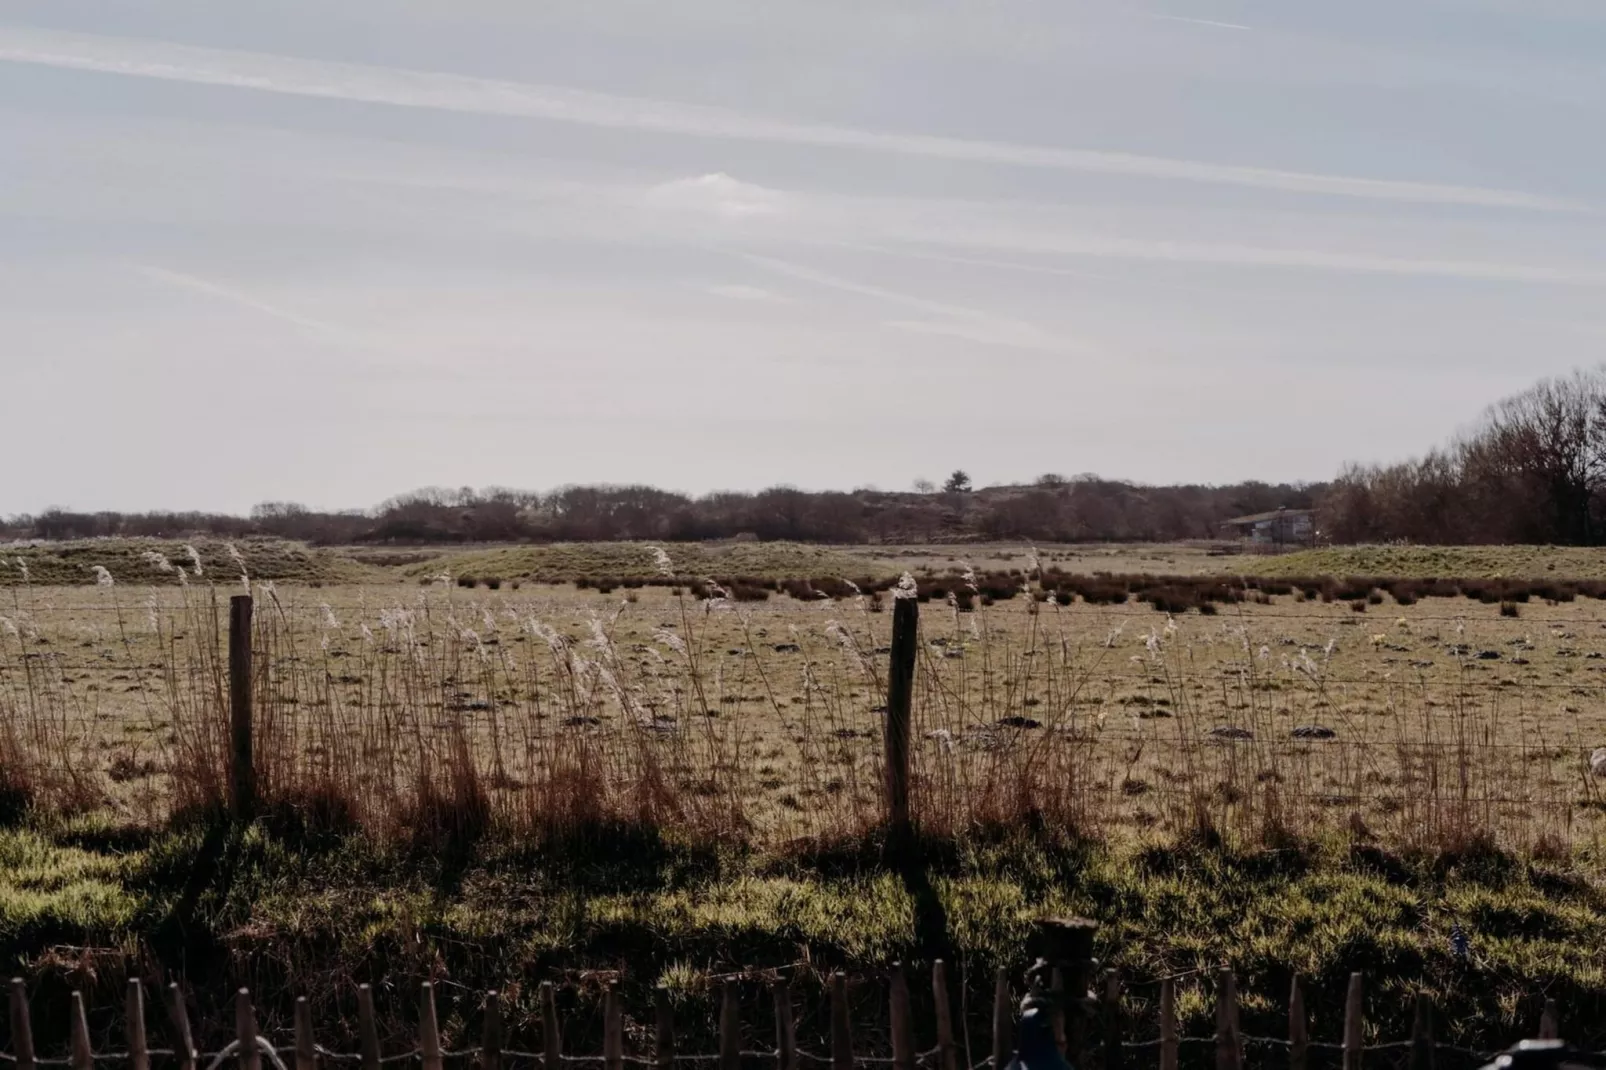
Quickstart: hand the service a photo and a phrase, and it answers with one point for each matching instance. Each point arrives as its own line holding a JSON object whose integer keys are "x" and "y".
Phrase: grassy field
{"x": 544, "y": 781}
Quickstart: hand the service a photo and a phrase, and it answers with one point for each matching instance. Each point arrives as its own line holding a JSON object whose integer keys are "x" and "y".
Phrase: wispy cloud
{"x": 717, "y": 194}
{"x": 424, "y": 89}
{"x": 741, "y": 292}
{"x": 1198, "y": 22}
{"x": 240, "y": 299}
{"x": 958, "y": 321}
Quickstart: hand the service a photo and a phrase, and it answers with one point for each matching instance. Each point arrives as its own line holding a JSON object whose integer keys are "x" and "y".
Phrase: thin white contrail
{"x": 1198, "y": 22}
{"x": 237, "y": 297}
{"x": 427, "y": 89}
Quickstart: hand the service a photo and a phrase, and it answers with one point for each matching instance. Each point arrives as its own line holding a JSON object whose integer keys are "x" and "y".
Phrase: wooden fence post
{"x": 83, "y": 1056}
{"x": 242, "y": 773}
{"x": 306, "y": 1045}
{"x": 664, "y": 1056}
{"x": 947, "y": 1052}
{"x": 1056, "y": 989}
{"x": 1229, "y": 1046}
{"x": 785, "y": 1029}
{"x": 841, "y": 1028}
{"x": 491, "y": 1043}
{"x": 613, "y": 1030}
{"x": 367, "y": 1028}
{"x": 1169, "y": 1045}
{"x": 1112, "y": 1020}
{"x": 139, "y": 1057}
{"x": 730, "y": 1027}
{"x": 21, "y": 1026}
{"x": 1354, "y": 1023}
{"x": 900, "y": 697}
{"x": 903, "y": 1037}
{"x": 1550, "y": 1021}
{"x": 429, "y": 1030}
{"x": 1003, "y": 1021}
{"x": 1298, "y": 1027}
{"x": 184, "y": 1046}
{"x": 1422, "y": 1034}
{"x": 245, "y": 1031}
{"x": 551, "y": 1038}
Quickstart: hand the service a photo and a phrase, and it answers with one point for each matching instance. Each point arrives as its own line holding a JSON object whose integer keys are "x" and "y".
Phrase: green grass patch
{"x": 292, "y": 916}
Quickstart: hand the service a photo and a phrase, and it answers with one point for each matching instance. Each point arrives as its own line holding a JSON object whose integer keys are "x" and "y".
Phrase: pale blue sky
{"x": 332, "y": 251}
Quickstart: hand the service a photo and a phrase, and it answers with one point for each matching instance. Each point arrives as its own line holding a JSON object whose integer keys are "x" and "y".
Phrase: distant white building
{"x": 1284, "y": 527}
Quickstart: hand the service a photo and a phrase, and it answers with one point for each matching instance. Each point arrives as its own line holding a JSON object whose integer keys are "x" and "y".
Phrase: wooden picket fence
{"x": 1112, "y": 1052}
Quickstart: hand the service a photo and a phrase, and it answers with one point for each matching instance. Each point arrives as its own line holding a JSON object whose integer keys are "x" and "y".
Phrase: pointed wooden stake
{"x": 367, "y": 1028}
{"x": 551, "y": 1038}
{"x": 1422, "y": 1034}
{"x": 1354, "y": 1022}
{"x": 664, "y": 1055}
{"x": 83, "y": 1056}
{"x": 21, "y": 1026}
{"x": 613, "y": 1030}
{"x": 491, "y": 1042}
{"x": 306, "y": 1045}
{"x": 1169, "y": 1045}
{"x": 903, "y": 1031}
{"x": 1298, "y": 1027}
{"x": 245, "y": 1031}
{"x": 785, "y": 1030}
{"x": 1229, "y": 1045}
{"x": 947, "y": 1051}
{"x": 1003, "y": 1021}
{"x": 1112, "y": 1020}
{"x": 184, "y": 1040}
{"x": 429, "y": 1030}
{"x": 139, "y": 1057}
{"x": 1550, "y": 1022}
{"x": 841, "y": 1027}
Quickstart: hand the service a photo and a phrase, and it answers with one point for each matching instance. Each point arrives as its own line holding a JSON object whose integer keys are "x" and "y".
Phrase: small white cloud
{"x": 718, "y": 194}
{"x": 738, "y": 292}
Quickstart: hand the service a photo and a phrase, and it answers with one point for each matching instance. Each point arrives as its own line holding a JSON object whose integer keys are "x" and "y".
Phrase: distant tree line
{"x": 1531, "y": 470}
{"x": 1052, "y": 509}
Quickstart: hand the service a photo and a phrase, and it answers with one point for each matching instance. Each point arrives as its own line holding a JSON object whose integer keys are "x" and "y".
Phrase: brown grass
{"x": 437, "y": 714}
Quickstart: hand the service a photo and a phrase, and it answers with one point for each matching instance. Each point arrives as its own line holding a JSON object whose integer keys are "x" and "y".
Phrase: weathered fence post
{"x": 139, "y": 1057}
{"x": 491, "y": 1041}
{"x": 947, "y": 1052}
{"x": 900, "y": 696}
{"x": 1422, "y": 1034}
{"x": 1354, "y": 1023}
{"x": 21, "y": 1026}
{"x": 903, "y": 1036}
{"x": 785, "y": 1030}
{"x": 83, "y": 1056}
{"x": 1112, "y": 1020}
{"x": 613, "y": 1031}
{"x": 367, "y": 1028}
{"x": 306, "y": 1046}
{"x": 841, "y": 1028}
{"x": 1550, "y": 1021}
{"x": 1229, "y": 1045}
{"x": 1298, "y": 1027}
{"x": 1169, "y": 1044}
{"x": 551, "y": 1038}
{"x": 184, "y": 1048}
{"x": 730, "y": 1027}
{"x": 242, "y": 774}
{"x": 429, "y": 1030}
{"x": 1003, "y": 1021}
{"x": 664, "y": 1055}
{"x": 245, "y": 1031}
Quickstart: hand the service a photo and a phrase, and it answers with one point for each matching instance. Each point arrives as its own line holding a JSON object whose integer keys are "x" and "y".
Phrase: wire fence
{"x": 1090, "y": 1032}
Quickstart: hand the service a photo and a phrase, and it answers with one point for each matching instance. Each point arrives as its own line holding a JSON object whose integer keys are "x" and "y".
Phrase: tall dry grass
{"x": 433, "y": 715}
